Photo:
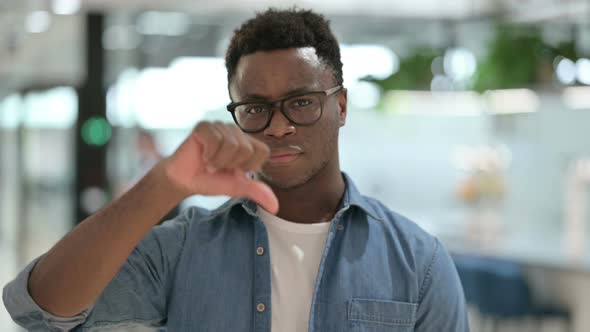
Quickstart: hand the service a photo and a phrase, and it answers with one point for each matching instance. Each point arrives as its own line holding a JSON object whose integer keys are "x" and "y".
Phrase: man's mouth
{"x": 285, "y": 155}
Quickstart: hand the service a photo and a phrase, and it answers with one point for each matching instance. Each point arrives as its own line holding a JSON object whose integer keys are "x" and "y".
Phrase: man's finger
{"x": 260, "y": 156}
{"x": 255, "y": 190}
{"x": 236, "y": 183}
{"x": 261, "y": 193}
{"x": 211, "y": 139}
{"x": 244, "y": 153}
{"x": 229, "y": 147}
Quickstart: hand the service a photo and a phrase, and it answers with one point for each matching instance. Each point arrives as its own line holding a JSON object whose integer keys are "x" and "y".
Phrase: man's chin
{"x": 282, "y": 180}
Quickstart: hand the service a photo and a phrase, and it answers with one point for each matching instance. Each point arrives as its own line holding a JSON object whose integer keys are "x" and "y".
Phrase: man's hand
{"x": 215, "y": 160}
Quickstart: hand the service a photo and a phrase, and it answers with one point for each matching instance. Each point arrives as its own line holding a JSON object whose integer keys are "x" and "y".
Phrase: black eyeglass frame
{"x": 273, "y": 105}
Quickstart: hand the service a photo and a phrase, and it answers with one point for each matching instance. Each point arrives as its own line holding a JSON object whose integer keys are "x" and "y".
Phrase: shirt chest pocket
{"x": 365, "y": 315}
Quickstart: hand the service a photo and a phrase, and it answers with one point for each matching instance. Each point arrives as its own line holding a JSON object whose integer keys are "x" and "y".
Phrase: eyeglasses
{"x": 302, "y": 109}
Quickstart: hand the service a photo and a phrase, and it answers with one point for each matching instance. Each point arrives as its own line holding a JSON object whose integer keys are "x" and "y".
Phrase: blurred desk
{"x": 557, "y": 273}
{"x": 547, "y": 250}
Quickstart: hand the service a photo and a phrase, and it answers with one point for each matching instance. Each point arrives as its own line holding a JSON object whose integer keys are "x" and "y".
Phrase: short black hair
{"x": 289, "y": 28}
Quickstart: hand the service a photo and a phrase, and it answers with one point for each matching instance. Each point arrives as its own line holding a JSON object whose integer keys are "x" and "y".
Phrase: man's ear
{"x": 342, "y": 110}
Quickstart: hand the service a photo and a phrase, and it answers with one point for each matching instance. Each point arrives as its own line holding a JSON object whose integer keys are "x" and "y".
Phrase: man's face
{"x": 298, "y": 153}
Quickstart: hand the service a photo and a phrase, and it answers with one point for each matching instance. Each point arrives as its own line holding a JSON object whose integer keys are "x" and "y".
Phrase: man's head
{"x": 278, "y": 54}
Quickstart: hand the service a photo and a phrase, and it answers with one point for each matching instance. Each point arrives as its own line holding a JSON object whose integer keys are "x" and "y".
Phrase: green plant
{"x": 414, "y": 72}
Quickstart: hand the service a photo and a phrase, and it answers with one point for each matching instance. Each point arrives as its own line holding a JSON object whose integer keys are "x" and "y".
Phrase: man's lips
{"x": 285, "y": 155}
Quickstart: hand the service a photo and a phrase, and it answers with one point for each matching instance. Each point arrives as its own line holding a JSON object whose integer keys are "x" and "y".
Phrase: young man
{"x": 305, "y": 251}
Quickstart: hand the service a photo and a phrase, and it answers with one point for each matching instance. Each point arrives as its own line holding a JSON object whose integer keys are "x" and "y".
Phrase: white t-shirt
{"x": 295, "y": 254}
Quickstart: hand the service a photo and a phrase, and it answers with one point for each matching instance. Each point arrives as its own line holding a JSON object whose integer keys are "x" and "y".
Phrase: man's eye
{"x": 255, "y": 109}
{"x": 302, "y": 102}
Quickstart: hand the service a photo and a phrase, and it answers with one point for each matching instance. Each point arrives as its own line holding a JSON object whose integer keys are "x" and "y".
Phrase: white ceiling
{"x": 415, "y": 9}
{"x": 389, "y": 8}
{"x": 56, "y": 55}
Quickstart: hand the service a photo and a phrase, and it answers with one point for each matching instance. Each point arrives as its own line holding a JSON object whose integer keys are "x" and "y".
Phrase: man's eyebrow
{"x": 259, "y": 97}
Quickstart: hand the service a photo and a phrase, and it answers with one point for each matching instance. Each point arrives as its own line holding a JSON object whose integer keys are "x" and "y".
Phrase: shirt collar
{"x": 352, "y": 197}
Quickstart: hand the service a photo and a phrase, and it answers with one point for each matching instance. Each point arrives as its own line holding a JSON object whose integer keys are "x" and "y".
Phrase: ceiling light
{"x": 38, "y": 21}
{"x": 65, "y": 7}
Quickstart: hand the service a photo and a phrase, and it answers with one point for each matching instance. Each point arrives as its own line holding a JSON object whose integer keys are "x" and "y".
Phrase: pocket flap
{"x": 380, "y": 311}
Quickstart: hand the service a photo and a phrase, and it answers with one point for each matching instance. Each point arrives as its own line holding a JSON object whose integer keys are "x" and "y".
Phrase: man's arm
{"x": 442, "y": 303}
{"x": 211, "y": 161}
{"x": 138, "y": 293}
{"x": 72, "y": 275}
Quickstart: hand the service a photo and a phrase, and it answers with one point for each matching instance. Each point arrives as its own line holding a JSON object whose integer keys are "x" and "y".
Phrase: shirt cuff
{"x": 22, "y": 307}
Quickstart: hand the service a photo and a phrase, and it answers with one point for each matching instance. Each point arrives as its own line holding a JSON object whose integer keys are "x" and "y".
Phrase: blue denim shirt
{"x": 203, "y": 272}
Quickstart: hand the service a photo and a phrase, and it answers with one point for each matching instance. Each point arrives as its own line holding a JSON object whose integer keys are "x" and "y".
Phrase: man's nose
{"x": 279, "y": 125}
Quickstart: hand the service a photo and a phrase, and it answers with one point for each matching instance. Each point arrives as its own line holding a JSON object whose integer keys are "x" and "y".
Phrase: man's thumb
{"x": 260, "y": 193}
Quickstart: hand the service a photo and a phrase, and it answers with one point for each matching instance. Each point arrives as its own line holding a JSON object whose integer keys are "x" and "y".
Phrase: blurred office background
{"x": 472, "y": 117}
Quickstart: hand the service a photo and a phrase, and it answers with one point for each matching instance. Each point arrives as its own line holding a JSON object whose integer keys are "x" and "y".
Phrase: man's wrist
{"x": 159, "y": 181}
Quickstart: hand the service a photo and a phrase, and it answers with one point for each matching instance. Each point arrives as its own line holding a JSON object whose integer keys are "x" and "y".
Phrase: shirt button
{"x": 340, "y": 227}
{"x": 260, "y": 251}
{"x": 260, "y": 307}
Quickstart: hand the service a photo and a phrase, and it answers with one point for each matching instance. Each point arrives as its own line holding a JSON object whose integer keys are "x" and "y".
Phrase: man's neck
{"x": 315, "y": 201}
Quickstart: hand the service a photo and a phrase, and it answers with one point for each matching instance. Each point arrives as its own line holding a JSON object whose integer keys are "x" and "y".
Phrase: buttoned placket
{"x": 262, "y": 279}
{"x": 336, "y": 229}
{"x": 262, "y": 270}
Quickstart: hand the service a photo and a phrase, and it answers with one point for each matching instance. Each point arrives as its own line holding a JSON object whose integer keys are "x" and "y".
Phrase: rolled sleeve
{"x": 28, "y": 314}
{"x": 137, "y": 295}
